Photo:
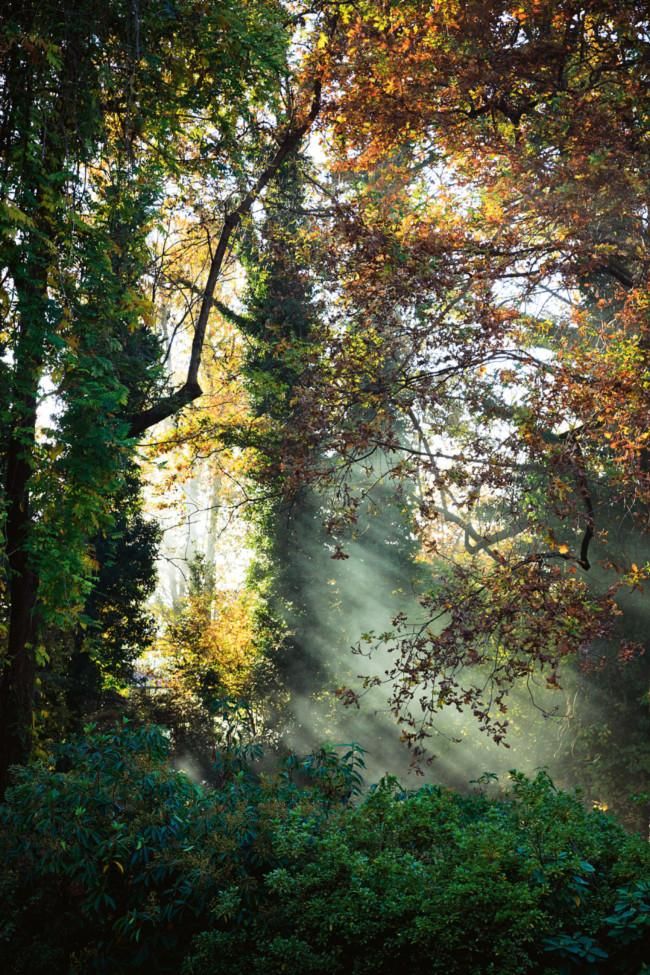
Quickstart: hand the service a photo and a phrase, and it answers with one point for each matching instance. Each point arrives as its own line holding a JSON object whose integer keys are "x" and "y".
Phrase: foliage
{"x": 115, "y": 857}
{"x": 99, "y": 105}
{"x": 92, "y": 666}
{"x": 113, "y": 862}
{"x": 482, "y": 243}
{"x": 207, "y": 642}
{"x": 118, "y": 624}
{"x": 435, "y": 882}
{"x": 201, "y": 675}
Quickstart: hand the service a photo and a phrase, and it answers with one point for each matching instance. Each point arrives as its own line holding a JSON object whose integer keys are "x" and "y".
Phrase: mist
{"x": 335, "y": 598}
{"x": 578, "y": 730}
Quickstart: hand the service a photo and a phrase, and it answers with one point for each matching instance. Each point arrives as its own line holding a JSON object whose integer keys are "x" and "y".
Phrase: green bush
{"x": 432, "y": 881}
{"x": 113, "y": 862}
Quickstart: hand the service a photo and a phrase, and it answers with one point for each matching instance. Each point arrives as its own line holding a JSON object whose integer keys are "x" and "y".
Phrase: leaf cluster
{"x": 115, "y": 862}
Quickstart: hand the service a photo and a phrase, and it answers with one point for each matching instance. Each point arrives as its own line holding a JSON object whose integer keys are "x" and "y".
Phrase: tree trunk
{"x": 17, "y": 681}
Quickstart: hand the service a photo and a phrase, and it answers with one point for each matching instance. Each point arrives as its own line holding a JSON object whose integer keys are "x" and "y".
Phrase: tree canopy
{"x": 377, "y": 271}
{"x": 324, "y": 417}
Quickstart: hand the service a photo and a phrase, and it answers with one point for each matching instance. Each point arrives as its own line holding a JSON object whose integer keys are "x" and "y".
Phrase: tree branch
{"x": 191, "y": 389}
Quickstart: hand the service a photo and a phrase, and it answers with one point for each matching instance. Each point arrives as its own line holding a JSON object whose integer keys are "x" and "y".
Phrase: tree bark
{"x": 17, "y": 681}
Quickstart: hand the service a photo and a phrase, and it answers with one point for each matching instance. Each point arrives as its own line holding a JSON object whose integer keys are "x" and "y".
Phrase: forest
{"x": 325, "y": 487}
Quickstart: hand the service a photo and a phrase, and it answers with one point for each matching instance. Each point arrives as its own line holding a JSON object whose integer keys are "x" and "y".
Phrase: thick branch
{"x": 585, "y": 494}
{"x": 191, "y": 390}
{"x": 228, "y": 313}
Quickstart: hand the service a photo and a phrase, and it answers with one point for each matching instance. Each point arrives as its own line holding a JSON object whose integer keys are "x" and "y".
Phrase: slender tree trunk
{"x": 18, "y": 675}
{"x": 17, "y": 681}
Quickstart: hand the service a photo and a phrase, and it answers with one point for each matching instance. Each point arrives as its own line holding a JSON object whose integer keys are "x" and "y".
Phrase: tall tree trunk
{"x": 17, "y": 681}
{"x": 18, "y": 675}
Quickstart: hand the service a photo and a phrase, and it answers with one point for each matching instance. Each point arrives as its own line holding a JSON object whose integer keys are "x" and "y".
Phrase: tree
{"x": 92, "y": 102}
{"x": 116, "y": 625}
{"x": 488, "y": 158}
{"x": 316, "y": 599}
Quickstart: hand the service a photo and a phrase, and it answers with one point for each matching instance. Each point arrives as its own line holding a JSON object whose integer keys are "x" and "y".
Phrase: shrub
{"x": 112, "y": 859}
{"x": 432, "y": 881}
{"x": 113, "y": 862}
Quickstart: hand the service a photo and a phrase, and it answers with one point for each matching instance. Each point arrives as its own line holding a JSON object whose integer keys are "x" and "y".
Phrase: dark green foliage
{"x": 432, "y": 882}
{"x": 119, "y": 622}
{"x": 288, "y": 535}
{"x": 116, "y": 625}
{"x": 113, "y": 862}
{"x": 80, "y": 862}
{"x": 85, "y": 665}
